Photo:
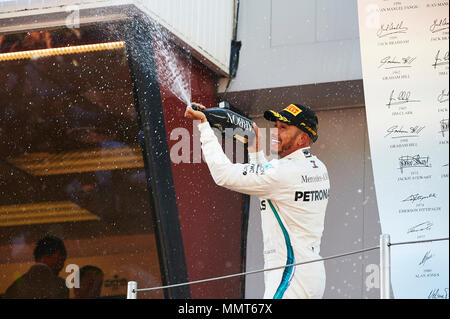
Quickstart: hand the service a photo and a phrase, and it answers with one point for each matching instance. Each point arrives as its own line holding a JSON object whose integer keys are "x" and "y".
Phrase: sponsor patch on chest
{"x": 311, "y": 196}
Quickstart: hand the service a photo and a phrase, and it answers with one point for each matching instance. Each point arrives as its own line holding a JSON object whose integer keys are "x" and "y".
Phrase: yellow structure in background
{"x": 32, "y": 54}
{"x": 42, "y": 213}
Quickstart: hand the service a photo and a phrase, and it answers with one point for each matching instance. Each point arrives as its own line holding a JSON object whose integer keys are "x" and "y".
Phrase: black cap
{"x": 299, "y": 115}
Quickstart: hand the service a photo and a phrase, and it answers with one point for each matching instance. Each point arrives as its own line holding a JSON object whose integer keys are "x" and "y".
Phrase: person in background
{"x": 41, "y": 281}
{"x": 91, "y": 282}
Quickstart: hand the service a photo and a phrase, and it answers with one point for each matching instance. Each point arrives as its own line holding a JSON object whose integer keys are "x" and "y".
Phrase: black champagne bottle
{"x": 221, "y": 118}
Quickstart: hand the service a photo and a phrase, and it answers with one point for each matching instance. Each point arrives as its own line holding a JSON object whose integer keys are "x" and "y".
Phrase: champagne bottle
{"x": 221, "y": 118}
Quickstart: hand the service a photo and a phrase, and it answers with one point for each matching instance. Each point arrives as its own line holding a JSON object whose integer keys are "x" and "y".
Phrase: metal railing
{"x": 385, "y": 268}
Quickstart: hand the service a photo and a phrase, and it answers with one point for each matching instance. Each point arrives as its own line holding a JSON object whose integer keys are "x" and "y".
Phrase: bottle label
{"x": 239, "y": 121}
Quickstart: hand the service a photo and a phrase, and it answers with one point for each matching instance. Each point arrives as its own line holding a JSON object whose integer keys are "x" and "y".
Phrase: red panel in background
{"x": 210, "y": 216}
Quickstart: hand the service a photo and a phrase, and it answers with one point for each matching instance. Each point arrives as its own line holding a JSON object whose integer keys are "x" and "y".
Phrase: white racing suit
{"x": 294, "y": 194}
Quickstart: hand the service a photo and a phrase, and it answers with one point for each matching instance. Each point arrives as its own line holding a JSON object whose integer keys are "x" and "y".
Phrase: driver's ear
{"x": 302, "y": 139}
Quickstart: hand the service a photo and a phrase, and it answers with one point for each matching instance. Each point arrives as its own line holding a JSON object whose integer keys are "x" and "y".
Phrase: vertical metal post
{"x": 132, "y": 290}
{"x": 148, "y": 103}
{"x": 385, "y": 267}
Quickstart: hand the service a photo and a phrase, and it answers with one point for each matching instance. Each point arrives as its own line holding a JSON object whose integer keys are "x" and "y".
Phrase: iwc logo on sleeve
{"x": 307, "y": 152}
